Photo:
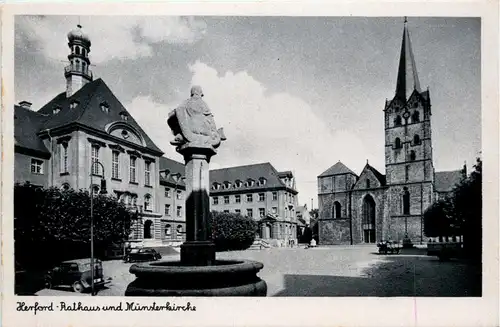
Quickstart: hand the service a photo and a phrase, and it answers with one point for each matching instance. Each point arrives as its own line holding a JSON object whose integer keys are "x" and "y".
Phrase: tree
{"x": 468, "y": 211}
{"x": 232, "y": 231}
{"x": 56, "y": 224}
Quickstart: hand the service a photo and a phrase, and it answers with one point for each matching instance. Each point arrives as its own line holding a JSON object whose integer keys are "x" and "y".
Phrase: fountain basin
{"x": 172, "y": 278}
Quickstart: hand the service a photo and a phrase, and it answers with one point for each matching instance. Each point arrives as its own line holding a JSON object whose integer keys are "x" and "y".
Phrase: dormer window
{"x": 105, "y": 107}
{"x": 250, "y": 182}
{"x": 238, "y": 183}
{"x": 74, "y": 104}
{"x": 226, "y": 185}
{"x": 262, "y": 181}
{"x": 56, "y": 110}
{"x": 215, "y": 186}
{"x": 124, "y": 115}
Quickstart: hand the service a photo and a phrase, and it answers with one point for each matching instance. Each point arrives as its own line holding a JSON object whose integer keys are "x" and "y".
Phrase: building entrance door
{"x": 369, "y": 219}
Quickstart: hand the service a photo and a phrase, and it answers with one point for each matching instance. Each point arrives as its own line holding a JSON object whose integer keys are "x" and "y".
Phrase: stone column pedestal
{"x": 198, "y": 250}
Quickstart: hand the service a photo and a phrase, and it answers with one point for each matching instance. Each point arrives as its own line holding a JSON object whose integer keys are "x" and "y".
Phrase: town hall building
{"x": 372, "y": 207}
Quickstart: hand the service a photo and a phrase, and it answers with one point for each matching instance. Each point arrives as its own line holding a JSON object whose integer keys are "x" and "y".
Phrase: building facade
{"x": 84, "y": 135}
{"x": 372, "y": 206}
{"x": 260, "y": 192}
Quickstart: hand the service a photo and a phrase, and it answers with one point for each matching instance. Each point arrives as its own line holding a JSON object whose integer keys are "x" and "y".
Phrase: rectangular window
{"x": 407, "y": 169}
{"x": 238, "y": 211}
{"x": 147, "y": 203}
{"x": 215, "y": 200}
{"x": 36, "y": 166}
{"x": 115, "y": 165}
{"x": 249, "y": 213}
{"x": 64, "y": 157}
{"x": 237, "y": 198}
{"x": 262, "y": 212}
{"x": 249, "y": 197}
{"x": 226, "y": 211}
{"x": 226, "y": 199}
{"x": 179, "y": 211}
{"x": 179, "y": 195}
{"x": 262, "y": 197}
{"x": 147, "y": 173}
{"x": 275, "y": 210}
{"x": 167, "y": 209}
{"x": 95, "y": 158}
{"x": 167, "y": 192}
{"x": 133, "y": 162}
{"x": 275, "y": 196}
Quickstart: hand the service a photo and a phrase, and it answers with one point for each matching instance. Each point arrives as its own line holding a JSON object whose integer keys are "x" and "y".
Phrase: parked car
{"x": 76, "y": 274}
{"x": 142, "y": 254}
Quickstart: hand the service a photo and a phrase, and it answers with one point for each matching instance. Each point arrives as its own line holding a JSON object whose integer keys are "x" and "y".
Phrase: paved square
{"x": 337, "y": 271}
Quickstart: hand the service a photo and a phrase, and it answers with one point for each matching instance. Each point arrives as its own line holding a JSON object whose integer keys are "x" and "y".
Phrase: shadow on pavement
{"x": 394, "y": 275}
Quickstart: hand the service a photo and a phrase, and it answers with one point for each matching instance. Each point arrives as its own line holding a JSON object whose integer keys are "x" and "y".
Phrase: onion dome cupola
{"x": 77, "y": 73}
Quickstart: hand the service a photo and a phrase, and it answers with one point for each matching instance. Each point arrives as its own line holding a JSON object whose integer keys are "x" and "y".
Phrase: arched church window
{"x": 412, "y": 155}
{"x": 416, "y": 139}
{"x": 77, "y": 64}
{"x": 337, "y": 210}
{"x": 397, "y": 143}
{"x": 397, "y": 120}
{"x": 406, "y": 201}
{"x": 415, "y": 117}
{"x": 77, "y": 50}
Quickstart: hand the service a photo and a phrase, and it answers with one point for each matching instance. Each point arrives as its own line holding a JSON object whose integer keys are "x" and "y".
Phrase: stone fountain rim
{"x": 233, "y": 266}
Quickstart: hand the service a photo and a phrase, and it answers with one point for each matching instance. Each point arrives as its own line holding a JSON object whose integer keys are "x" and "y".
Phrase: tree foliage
{"x": 460, "y": 213}
{"x": 52, "y": 225}
{"x": 232, "y": 231}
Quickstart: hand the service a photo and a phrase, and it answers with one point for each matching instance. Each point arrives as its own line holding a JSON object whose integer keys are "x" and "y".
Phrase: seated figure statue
{"x": 193, "y": 124}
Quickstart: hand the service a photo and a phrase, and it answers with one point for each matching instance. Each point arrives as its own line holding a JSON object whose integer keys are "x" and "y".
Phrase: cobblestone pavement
{"x": 338, "y": 271}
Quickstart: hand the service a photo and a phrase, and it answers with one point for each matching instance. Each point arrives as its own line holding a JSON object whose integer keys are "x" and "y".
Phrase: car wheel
{"x": 78, "y": 287}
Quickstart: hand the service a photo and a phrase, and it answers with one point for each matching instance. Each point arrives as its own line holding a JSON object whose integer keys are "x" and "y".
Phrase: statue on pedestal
{"x": 193, "y": 124}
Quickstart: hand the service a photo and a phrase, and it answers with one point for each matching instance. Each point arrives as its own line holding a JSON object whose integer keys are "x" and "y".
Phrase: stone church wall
{"x": 334, "y": 232}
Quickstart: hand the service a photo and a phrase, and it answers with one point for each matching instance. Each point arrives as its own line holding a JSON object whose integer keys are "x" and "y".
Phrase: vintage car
{"x": 76, "y": 274}
{"x": 388, "y": 247}
{"x": 142, "y": 254}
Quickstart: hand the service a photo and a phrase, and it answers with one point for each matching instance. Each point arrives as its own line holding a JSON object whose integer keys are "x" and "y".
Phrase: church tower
{"x": 408, "y": 150}
{"x": 77, "y": 73}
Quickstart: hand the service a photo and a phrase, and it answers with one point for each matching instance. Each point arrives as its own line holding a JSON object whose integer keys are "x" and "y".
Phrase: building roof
{"x": 378, "y": 175}
{"x": 338, "y": 169}
{"x": 445, "y": 181}
{"x": 407, "y": 80}
{"x": 88, "y": 111}
{"x": 243, "y": 173}
{"x": 27, "y": 123}
{"x": 173, "y": 167}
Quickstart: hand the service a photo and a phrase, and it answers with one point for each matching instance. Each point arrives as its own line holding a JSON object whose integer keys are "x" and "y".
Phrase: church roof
{"x": 407, "y": 80}
{"x": 88, "y": 112}
{"x": 338, "y": 169}
{"x": 243, "y": 173}
{"x": 173, "y": 167}
{"x": 378, "y": 175}
{"x": 445, "y": 181}
{"x": 26, "y": 124}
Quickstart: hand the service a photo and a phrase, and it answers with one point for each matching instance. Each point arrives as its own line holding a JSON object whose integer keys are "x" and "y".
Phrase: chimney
{"x": 25, "y": 104}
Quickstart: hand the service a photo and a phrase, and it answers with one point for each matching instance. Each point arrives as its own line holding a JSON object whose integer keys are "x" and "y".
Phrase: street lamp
{"x": 102, "y": 191}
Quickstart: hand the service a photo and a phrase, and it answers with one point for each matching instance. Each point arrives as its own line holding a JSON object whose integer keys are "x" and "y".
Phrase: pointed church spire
{"x": 407, "y": 73}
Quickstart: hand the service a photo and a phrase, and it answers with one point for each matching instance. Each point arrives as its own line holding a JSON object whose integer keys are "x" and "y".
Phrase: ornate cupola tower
{"x": 77, "y": 73}
{"x": 408, "y": 149}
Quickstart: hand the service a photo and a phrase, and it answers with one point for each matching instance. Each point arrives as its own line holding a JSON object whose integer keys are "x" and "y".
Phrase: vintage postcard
{"x": 267, "y": 164}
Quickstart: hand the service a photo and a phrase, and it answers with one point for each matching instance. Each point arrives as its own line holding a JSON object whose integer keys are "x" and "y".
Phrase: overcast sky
{"x": 300, "y": 93}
